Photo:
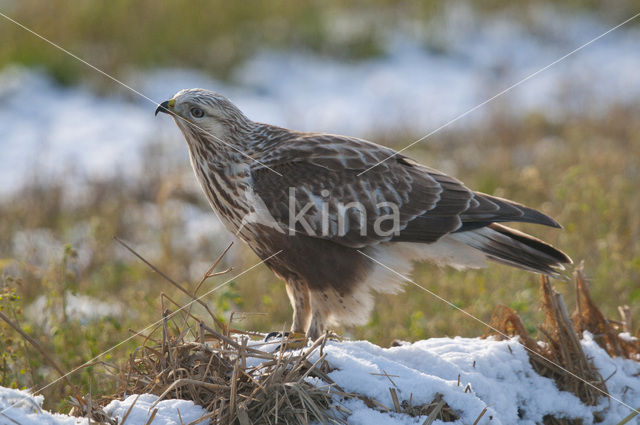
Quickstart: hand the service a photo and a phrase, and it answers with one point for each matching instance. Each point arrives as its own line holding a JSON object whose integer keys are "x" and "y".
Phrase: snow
{"x": 62, "y": 129}
{"x": 498, "y": 373}
{"x": 25, "y": 409}
{"x": 500, "y": 379}
{"x": 493, "y": 375}
{"x": 626, "y": 336}
{"x": 20, "y": 407}
{"x": 77, "y": 307}
{"x": 170, "y": 412}
{"x": 414, "y": 87}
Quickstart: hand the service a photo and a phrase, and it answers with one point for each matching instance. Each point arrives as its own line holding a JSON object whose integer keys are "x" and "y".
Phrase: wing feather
{"x": 430, "y": 204}
{"x": 311, "y": 164}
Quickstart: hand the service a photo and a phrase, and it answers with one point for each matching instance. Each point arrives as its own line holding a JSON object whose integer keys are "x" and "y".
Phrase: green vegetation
{"x": 118, "y": 35}
{"x": 582, "y": 171}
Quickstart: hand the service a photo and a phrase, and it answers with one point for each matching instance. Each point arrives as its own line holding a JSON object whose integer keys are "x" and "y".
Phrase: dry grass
{"x": 561, "y": 357}
{"x": 218, "y": 368}
{"x": 242, "y": 381}
{"x": 587, "y": 317}
{"x": 235, "y": 380}
{"x": 220, "y": 373}
{"x": 213, "y": 365}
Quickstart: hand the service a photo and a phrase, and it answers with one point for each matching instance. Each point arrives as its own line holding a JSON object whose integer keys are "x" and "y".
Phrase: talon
{"x": 291, "y": 340}
{"x": 275, "y": 334}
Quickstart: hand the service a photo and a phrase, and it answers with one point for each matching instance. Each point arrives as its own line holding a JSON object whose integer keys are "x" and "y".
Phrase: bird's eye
{"x": 197, "y": 112}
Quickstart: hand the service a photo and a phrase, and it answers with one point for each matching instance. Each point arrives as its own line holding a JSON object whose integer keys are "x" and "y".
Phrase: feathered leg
{"x": 318, "y": 323}
{"x": 299, "y": 297}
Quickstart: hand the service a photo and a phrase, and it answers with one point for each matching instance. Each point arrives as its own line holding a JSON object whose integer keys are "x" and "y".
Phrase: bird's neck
{"x": 225, "y": 177}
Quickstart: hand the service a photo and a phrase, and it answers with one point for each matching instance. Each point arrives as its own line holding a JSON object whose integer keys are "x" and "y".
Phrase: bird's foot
{"x": 290, "y": 340}
{"x": 276, "y": 334}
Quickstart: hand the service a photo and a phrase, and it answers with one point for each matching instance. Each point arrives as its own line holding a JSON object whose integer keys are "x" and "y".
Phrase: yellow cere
{"x": 172, "y": 103}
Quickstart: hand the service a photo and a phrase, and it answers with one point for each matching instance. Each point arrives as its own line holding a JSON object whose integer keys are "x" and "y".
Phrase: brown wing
{"x": 482, "y": 211}
{"x": 429, "y": 203}
{"x": 316, "y": 165}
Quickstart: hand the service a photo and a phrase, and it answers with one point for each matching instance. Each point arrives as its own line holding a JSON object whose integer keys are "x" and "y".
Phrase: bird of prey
{"x": 327, "y": 205}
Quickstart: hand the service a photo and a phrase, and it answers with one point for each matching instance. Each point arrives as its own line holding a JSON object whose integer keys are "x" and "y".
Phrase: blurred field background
{"x": 73, "y": 288}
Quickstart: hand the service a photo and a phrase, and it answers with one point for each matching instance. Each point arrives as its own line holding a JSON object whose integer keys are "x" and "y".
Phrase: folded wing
{"x": 321, "y": 189}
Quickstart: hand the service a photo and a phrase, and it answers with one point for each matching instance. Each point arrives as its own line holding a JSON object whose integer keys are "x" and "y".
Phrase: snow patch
{"x": 77, "y": 307}
{"x": 21, "y": 407}
{"x": 415, "y": 87}
{"x": 170, "y": 412}
{"x": 493, "y": 375}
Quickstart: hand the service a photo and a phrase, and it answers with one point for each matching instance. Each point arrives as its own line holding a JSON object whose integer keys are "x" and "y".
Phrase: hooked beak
{"x": 164, "y": 106}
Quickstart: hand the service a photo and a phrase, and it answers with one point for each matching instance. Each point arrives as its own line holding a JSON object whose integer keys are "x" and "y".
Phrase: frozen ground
{"x": 426, "y": 77}
{"x": 20, "y": 407}
{"x": 495, "y": 375}
{"x": 498, "y": 374}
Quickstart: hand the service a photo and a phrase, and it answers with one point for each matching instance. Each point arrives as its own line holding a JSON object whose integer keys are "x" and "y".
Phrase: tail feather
{"x": 486, "y": 209}
{"x": 512, "y": 247}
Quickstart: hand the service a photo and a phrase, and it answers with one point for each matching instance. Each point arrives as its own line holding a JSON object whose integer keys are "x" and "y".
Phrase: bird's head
{"x": 204, "y": 115}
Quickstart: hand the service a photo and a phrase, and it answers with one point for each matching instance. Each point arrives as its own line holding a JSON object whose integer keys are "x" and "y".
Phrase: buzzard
{"x": 325, "y": 203}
